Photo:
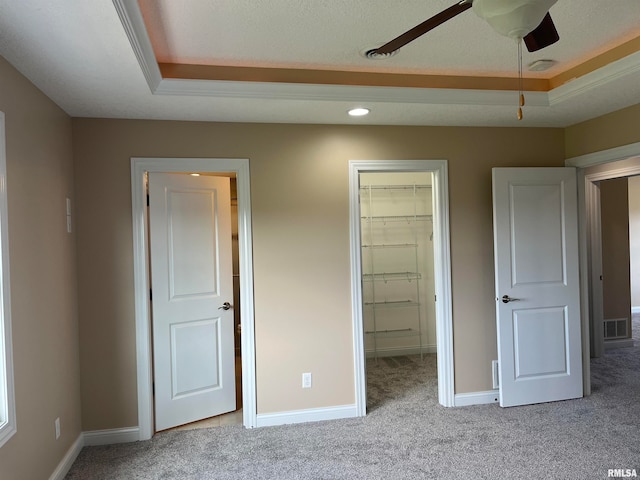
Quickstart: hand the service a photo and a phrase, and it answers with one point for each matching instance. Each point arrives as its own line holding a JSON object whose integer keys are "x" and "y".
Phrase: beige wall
{"x": 634, "y": 239}
{"x": 299, "y": 189}
{"x": 608, "y": 131}
{"x": 300, "y": 210}
{"x": 43, "y": 279}
{"x": 614, "y": 208}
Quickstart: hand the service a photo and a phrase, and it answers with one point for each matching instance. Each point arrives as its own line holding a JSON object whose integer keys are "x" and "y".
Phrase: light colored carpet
{"x": 407, "y": 435}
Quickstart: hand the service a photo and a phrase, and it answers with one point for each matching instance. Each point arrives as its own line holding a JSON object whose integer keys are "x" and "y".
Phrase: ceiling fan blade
{"x": 424, "y": 27}
{"x": 544, "y": 35}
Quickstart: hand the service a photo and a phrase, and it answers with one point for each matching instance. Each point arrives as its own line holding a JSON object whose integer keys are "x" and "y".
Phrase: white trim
{"x": 139, "y": 169}
{"x": 591, "y": 244}
{"x": 477, "y": 398}
{"x": 622, "y": 343}
{"x": 8, "y": 421}
{"x": 442, "y": 271}
{"x": 133, "y": 23}
{"x": 67, "y": 461}
{"x": 111, "y": 436}
{"x": 635, "y": 310}
{"x": 605, "y": 156}
{"x": 627, "y": 66}
{"x": 343, "y": 93}
{"x": 307, "y": 415}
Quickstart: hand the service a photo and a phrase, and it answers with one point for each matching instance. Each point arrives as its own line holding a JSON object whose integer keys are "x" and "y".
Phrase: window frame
{"x": 7, "y": 394}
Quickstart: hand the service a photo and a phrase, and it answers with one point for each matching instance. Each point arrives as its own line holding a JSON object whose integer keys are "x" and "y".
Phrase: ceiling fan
{"x": 527, "y": 20}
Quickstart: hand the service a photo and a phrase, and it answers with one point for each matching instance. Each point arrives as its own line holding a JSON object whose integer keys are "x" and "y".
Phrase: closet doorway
{"x": 397, "y": 284}
{"x": 401, "y": 269}
{"x": 396, "y": 242}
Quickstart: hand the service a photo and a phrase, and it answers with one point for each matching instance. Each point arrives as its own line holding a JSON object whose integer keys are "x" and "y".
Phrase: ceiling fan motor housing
{"x": 513, "y": 18}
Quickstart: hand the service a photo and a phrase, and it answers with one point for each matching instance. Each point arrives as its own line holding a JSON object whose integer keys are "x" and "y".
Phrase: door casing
{"x": 140, "y": 166}
{"x": 442, "y": 271}
{"x": 590, "y": 239}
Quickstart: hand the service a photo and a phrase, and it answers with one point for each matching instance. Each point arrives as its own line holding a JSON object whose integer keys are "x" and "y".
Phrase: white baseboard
{"x": 623, "y": 343}
{"x": 476, "y": 398}
{"x": 308, "y": 415}
{"x": 111, "y": 436}
{"x": 67, "y": 461}
{"x": 635, "y": 310}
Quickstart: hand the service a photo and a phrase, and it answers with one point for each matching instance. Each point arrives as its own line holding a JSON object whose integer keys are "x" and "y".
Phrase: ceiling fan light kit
{"x": 527, "y": 20}
{"x": 513, "y": 18}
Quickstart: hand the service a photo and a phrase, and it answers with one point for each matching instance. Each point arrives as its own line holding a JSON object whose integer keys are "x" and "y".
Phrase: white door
{"x": 191, "y": 278}
{"x": 537, "y": 286}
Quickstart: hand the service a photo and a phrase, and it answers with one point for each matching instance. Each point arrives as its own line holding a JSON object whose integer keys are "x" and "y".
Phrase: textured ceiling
{"x": 333, "y": 33}
{"x": 80, "y": 55}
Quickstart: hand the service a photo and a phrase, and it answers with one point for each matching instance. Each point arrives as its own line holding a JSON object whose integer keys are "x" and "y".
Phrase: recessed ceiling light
{"x": 359, "y": 111}
{"x": 194, "y": 174}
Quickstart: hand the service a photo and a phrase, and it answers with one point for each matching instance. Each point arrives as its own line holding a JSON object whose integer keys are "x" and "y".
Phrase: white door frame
{"x": 139, "y": 169}
{"x": 591, "y": 242}
{"x": 442, "y": 271}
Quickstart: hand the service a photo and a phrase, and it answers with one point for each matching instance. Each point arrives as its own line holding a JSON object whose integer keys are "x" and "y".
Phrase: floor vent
{"x": 617, "y": 328}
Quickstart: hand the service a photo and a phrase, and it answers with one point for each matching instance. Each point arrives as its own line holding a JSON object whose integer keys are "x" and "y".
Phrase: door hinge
{"x": 495, "y": 374}
{"x": 150, "y": 295}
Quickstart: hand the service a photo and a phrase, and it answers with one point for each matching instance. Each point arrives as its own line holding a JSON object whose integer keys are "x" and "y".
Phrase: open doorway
{"x": 634, "y": 253}
{"x": 191, "y": 276}
{"x": 592, "y": 261}
{"x": 619, "y": 218}
{"x": 398, "y": 284}
{"x": 140, "y": 168}
{"x": 394, "y": 284}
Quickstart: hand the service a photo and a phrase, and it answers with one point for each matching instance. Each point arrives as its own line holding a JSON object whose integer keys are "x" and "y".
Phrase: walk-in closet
{"x": 397, "y": 264}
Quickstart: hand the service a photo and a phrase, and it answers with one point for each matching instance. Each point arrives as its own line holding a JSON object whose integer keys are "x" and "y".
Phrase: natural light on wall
{"x": 7, "y": 398}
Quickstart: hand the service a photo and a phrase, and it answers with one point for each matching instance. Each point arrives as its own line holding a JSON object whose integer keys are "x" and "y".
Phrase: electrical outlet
{"x": 57, "y": 426}
{"x": 306, "y": 380}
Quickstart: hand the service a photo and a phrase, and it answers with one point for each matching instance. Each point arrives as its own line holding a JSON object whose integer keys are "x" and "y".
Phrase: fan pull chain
{"x": 520, "y": 81}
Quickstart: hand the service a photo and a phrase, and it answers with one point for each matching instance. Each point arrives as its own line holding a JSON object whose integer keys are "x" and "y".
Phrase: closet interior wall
{"x": 397, "y": 263}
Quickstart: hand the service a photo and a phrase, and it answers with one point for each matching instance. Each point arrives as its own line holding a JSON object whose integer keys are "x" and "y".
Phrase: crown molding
{"x": 133, "y": 23}
{"x": 296, "y": 91}
{"x": 604, "y": 156}
{"x": 619, "y": 69}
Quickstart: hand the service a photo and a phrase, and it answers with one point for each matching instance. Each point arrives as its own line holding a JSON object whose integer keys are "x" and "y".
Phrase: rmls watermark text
{"x": 622, "y": 473}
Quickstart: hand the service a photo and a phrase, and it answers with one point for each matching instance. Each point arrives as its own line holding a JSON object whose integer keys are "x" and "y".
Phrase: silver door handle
{"x": 225, "y": 306}
{"x": 507, "y": 299}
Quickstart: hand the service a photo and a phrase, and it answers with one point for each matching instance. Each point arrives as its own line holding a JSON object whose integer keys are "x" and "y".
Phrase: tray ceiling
{"x": 302, "y": 62}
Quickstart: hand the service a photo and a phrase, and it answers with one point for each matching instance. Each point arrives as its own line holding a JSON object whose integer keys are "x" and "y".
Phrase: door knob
{"x": 225, "y": 306}
{"x": 507, "y": 299}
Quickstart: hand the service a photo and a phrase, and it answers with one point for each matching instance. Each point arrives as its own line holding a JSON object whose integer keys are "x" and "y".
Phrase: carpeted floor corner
{"x": 408, "y": 435}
